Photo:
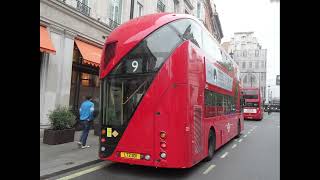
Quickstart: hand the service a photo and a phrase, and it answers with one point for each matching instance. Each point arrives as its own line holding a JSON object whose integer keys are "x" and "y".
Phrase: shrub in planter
{"x": 61, "y": 131}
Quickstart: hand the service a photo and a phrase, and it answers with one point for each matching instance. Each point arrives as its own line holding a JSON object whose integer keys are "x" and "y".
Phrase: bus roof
{"x": 129, "y": 34}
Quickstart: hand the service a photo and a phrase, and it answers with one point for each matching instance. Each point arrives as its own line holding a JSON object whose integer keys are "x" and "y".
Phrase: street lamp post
{"x": 269, "y": 94}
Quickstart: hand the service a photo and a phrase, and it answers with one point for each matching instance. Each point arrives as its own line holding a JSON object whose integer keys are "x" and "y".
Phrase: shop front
{"x": 85, "y": 75}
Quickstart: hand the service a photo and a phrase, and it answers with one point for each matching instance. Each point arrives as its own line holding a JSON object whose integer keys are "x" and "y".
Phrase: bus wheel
{"x": 211, "y": 145}
{"x": 239, "y": 130}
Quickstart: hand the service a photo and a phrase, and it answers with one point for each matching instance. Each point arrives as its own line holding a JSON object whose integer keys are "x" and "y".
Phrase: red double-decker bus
{"x": 170, "y": 95}
{"x": 253, "y": 105}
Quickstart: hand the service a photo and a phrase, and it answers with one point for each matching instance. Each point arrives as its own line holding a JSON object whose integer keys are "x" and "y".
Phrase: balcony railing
{"x": 113, "y": 24}
{"x": 84, "y": 9}
{"x": 160, "y": 6}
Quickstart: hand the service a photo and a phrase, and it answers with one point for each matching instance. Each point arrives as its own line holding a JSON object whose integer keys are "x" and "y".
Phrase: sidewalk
{"x": 55, "y": 158}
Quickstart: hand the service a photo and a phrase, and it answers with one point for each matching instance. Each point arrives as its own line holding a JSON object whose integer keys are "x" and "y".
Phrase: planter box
{"x": 53, "y": 137}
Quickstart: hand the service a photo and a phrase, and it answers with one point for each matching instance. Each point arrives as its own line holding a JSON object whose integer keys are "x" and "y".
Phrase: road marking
{"x": 240, "y": 140}
{"x": 209, "y": 169}
{"x": 235, "y": 145}
{"x": 245, "y": 135}
{"x": 224, "y": 155}
{"x": 249, "y": 132}
{"x": 82, "y": 172}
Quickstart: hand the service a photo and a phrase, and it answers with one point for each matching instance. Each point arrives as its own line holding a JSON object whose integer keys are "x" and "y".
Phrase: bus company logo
{"x": 228, "y": 126}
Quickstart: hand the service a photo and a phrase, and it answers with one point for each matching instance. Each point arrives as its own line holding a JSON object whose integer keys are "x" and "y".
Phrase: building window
{"x": 262, "y": 64}
{"x": 257, "y": 65}
{"x": 82, "y": 6}
{"x": 244, "y": 53}
{"x": 245, "y": 80}
{"x": 176, "y": 6}
{"x": 160, "y": 6}
{"x": 257, "y": 53}
{"x": 115, "y": 16}
{"x": 243, "y": 65}
{"x": 198, "y": 9}
{"x": 140, "y": 8}
{"x": 250, "y": 64}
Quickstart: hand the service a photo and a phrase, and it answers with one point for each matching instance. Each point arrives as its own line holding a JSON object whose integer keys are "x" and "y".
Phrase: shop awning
{"x": 91, "y": 54}
{"x": 45, "y": 41}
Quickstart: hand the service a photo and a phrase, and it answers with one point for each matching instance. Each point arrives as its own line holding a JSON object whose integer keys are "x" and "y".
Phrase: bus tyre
{"x": 239, "y": 130}
{"x": 211, "y": 145}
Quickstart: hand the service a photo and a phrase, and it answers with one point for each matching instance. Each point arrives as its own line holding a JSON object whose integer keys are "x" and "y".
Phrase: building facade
{"x": 251, "y": 58}
{"x": 72, "y": 34}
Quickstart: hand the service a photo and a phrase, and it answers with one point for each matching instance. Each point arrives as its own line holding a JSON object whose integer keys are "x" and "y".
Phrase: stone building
{"x": 251, "y": 58}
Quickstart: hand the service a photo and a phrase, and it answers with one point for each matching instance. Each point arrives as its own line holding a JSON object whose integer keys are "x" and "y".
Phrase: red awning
{"x": 91, "y": 54}
{"x": 45, "y": 41}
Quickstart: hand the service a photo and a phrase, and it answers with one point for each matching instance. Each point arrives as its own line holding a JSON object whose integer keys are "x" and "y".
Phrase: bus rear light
{"x": 163, "y": 134}
{"x": 163, "y": 145}
{"x": 163, "y": 155}
{"x": 103, "y": 140}
{"x": 103, "y": 131}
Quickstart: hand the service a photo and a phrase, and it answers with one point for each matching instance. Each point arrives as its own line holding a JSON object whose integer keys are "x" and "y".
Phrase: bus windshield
{"x": 251, "y": 104}
{"x": 250, "y": 94}
{"x": 122, "y": 95}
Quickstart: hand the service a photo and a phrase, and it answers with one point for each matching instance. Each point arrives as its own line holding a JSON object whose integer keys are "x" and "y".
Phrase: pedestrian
{"x": 269, "y": 110}
{"x": 86, "y": 116}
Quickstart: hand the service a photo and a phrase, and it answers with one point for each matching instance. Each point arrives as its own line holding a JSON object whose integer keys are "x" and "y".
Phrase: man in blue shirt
{"x": 86, "y": 115}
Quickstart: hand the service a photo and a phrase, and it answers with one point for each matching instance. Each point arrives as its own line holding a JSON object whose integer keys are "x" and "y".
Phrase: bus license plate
{"x": 250, "y": 111}
{"x": 130, "y": 155}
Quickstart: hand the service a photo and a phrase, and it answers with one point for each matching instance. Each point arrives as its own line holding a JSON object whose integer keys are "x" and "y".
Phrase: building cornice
{"x": 63, "y": 29}
{"x": 65, "y": 8}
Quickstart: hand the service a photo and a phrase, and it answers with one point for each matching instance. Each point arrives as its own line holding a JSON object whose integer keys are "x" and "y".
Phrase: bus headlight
{"x": 103, "y": 148}
{"x": 147, "y": 157}
{"x": 163, "y": 155}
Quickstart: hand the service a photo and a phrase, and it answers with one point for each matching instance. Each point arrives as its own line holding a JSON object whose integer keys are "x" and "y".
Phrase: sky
{"x": 263, "y": 18}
